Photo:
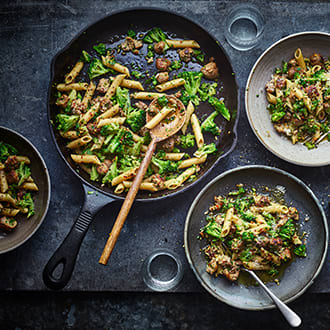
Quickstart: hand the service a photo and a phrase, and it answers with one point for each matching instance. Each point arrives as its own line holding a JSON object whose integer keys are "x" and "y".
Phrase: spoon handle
{"x": 293, "y": 319}
{"x": 118, "y": 225}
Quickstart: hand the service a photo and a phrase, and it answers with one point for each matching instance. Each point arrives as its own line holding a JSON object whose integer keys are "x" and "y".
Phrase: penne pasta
{"x": 75, "y": 86}
{"x": 3, "y": 182}
{"x": 89, "y": 94}
{"x": 143, "y": 186}
{"x": 178, "y": 181}
{"x": 197, "y": 131}
{"x": 30, "y": 186}
{"x": 71, "y": 76}
{"x": 192, "y": 161}
{"x": 170, "y": 84}
{"x": 108, "y": 62}
{"x": 71, "y": 135}
{"x": 9, "y": 212}
{"x": 189, "y": 111}
{"x": 162, "y": 114}
{"x": 79, "y": 142}
{"x": 108, "y": 121}
{"x": 113, "y": 87}
{"x": 300, "y": 59}
{"x": 85, "y": 159}
{"x": 182, "y": 43}
{"x": 85, "y": 118}
{"x": 124, "y": 176}
{"x": 227, "y": 222}
{"x": 109, "y": 113}
{"x": 174, "y": 156}
{"x": 146, "y": 95}
{"x": 130, "y": 84}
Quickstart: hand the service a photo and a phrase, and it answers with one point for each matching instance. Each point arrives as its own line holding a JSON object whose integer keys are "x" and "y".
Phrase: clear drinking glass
{"x": 244, "y": 27}
{"x": 162, "y": 270}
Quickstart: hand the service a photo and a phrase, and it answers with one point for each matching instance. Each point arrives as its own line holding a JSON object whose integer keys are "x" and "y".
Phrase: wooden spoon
{"x": 162, "y": 131}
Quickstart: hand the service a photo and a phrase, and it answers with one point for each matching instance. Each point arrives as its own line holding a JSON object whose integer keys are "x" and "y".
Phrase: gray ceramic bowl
{"x": 27, "y": 227}
{"x": 256, "y": 106}
{"x": 298, "y": 276}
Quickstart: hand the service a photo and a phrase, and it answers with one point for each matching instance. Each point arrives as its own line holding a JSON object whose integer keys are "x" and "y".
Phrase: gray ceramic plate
{"x": 298, "y": 276}
{"x": 256, "y": 107}
{"x": 27, "y": 227}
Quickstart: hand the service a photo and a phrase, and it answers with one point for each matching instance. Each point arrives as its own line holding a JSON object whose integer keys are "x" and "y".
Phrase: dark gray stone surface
{"x": 30, "y": 35}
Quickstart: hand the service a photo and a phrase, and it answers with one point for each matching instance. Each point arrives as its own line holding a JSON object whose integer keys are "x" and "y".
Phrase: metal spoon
{"x": 293, "y": 319}
{"x": 161, "y": 132}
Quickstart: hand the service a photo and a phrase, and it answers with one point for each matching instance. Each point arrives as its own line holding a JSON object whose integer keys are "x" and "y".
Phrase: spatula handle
{"x": 127, "y": 204}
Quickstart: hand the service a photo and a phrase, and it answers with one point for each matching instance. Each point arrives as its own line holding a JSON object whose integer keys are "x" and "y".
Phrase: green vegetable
{"x": 213, "y": 229}
{"x": 176, "y": 65}
{"x": 100, "y": 49}
{"x": 136, "y": 148}
{"x": 246, "y": 255}
{"x": 96, "y": 68}
{"x": 122, "y": 138}
{"x": 136, "y": 119}
{"x": 205, "y": 149}
{"x": 112, "y": 173}
{"x": 6, "y": 150}
{"x": 154, "y": 35}
{"x": 123, "y": 98}
{"x": 273, "y": 272}
{"x": 23, "y": 173}
{"x": 131, "y": 34}
{"x": 240, "y": 191}
{"x": 66, "y": 122}
{"x": 309, "y": 145}
{"x": 206, "y": 90}
{"x": 287, "y": 230}
{"x": 276, "y": 116}
{"x": 27, "y": 201}
{"x": 191, "y": 86}
{"x": 127, "y": 162}
{"x": 109, "y": 129}
{"x": 248, "y": 216}
{"x": 94, "y": 174}
{"x": 219, "y": 107}
{"x": 208, "y": 125}
{"x": 187, "y": 141}
{"x": 86, "y": 57}
{"x": 300, "y": 250}
{"x": 162, "y": 101}
{"x": 285, "y": 67}
{"x": 199, "y": 55}
{"x": 165, "y": 166}
{"x": 137, "y": 74}
{"x": 247, "y": 236}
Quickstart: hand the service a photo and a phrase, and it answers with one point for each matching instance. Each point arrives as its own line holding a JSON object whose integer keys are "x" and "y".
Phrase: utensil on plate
{"x": 161, "y": 132}
{"x": 293, "y": 319}
{"x": 299, "y": 275}
{"x": 95, "y": 195}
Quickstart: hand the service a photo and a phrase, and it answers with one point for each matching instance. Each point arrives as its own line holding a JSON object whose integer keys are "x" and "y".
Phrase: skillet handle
{"x": 65, "y": 256}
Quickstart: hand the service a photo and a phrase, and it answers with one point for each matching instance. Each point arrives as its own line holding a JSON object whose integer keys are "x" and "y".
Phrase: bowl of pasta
{"x": 260, "y": 218}
{"x": 24, "y": 189}
{"x": 287, "y": 98}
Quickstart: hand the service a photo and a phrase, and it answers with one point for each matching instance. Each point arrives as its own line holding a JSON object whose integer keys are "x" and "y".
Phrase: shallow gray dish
{"x": 27, "y": 227}
{"x": 256, "y": 102}
{"x": 298, "y": 276}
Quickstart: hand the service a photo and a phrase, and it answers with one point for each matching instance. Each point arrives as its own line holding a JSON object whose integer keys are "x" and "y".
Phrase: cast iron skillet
{"x": 109, "y": 30}
{"x": 298, "y": 276}
{"x": 27, "y": 227}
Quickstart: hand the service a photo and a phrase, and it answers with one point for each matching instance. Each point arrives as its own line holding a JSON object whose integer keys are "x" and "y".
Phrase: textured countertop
{"x": 30, "y": 35}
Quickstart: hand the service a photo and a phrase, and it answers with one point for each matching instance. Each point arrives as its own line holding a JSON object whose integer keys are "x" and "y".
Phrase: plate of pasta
{"x": 24, "y": 189}
{"x": 288, "y": 98}
{"x": 259, "y": 218}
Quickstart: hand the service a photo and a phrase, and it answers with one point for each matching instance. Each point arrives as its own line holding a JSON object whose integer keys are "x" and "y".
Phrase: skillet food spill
{"x": 107, "y": 132}
{"x": 16, "y": 187}
{"x": 251, "y": 230}
{"x": 299, "y": 99}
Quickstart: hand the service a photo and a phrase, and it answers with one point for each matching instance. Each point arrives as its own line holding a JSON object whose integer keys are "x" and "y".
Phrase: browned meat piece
{"x": 212, "y": 266}
{"x": 312, "y": 91}
{"x": 62, "y": 101}
{"x": 285, "y": 254}
{"x": 7, "y": 224}
{"x": 157, "y": 180}
{"x": 270, "y": 87}
{"x": 11, "y": 163}
{"x": 316, "y": 59}
{"x": 77, "y": 107}
{"x": 162, "y": 63}
{"x": 297, "y": 122}
{"x": 12, "y": 177}
{"x": 262, "y": 241}
{"x": 262, "y": 201}
{"x": 105, "y": 104}
{"x": 287, "y": 116}
{"x": 131, "y": 44}
{"x": 293, "y": 62}
{"x": 236, "y": 244}
{"x": 232, "y": 274}
{"x": 210, "y": 71}
{"x": 167, "y": 145}
{"x": 275, "y": 241}
{"x": 102, "y": 168}
{"x": 293, "y": 213}
{"x": 186, "y": 54}
{"x": 162, "y": 77}
{"x": 143, "y": 131}
{"x": 108, "y": 162}
{"x": 141, "y": 105}
{"x": 103, "y": 85}
{"x": 20, "y": 194}
{"x": 93, "y": 129}
{"x": 138, "y": 44}
{"x": 291, "y": 72}
{"x": 178, "y": 94}
{"x": 326, "y": 106}
{"x": 280, "y": 83}
{"x": 159, "y": 47}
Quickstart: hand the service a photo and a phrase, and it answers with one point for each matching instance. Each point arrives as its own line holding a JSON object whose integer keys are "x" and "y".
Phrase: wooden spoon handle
{"x": 127, "y": 204}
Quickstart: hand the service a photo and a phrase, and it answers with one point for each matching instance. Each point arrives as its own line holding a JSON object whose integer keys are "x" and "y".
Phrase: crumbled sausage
{"x": 102, "y": 169}
{"x": 12, "y": 177}
{"x": 93, "y": 129}
{"x": 131, "y": 44}
{"x": 316, "y": 59}
{"x": 162, "y": 63}
{"x": 178, "y": 94}
{"x": 291, "y": 72}
{"x": 210, "y": 70}
{"x": 293, "y": 62}
{"x": 167, "y": 145}
{"x": 105, "y": 104}
{"x": 11, "y": 163}
{"x": 262, "y": 201}
{"x": 159, "y": 47}
{"x": 62, "y": 101}
{"x": 280, "y": 83}
{"x": 186, "y": 54}
{"x": 103, "y": 85}
{"x": 270, "y": 87}
{"x": 141, "y": 105}
{"x": 77, "y": 107}
{"x": 162, "y": 77}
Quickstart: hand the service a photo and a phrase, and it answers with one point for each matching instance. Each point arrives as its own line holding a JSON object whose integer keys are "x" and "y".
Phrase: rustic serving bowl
{"x": 256, "y": 102}
{"x": 298, "y": 276}
{"x": 27, "y": 227}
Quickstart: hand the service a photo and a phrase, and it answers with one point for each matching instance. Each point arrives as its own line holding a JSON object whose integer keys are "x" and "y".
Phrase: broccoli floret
{"x": 6, "y": 150}
{"x": 94, "y": 175}
{"x": 85, "y": 57}
{"x": 96, "y": 68}
{"x": 136, "y": 148}
{"x": 208, "y": 125}
{"x": 205, "y": 149}
{"x": 154, "y": 35}
{"x": 212, "y": 229}
{"x": 187, "y": 141}
{"x": 191, "y": 86}
{"x": 276, "y": 116}
{"x": 287, "y": 231}
{"x": 127, "y": 162}
{"x": 27, "y": 201}
{"x": 165, "y": 166}
{"x": 176, "y": 65}
{"x": 65, "y": 122}
{"x": 131, "y": 34}
{"x": 137, "y": 74}
{"x": 100, "y": 49}
{"x": 136, "y": 119}
{"x": 123, "y": 98}
{"x": 206, "y": 90}
{"x": 300, "y": 250}
{"x": 23, "y": 173}
{"x": 161, "y": 154}
{"x": 123, "y": 137}
{"x": 162, "y": 101}
{"x": 112, "y": 173}
{"x": 219, "y": 107}
{"x": 109, "y": 129}
{"x": 199, "y": 55}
